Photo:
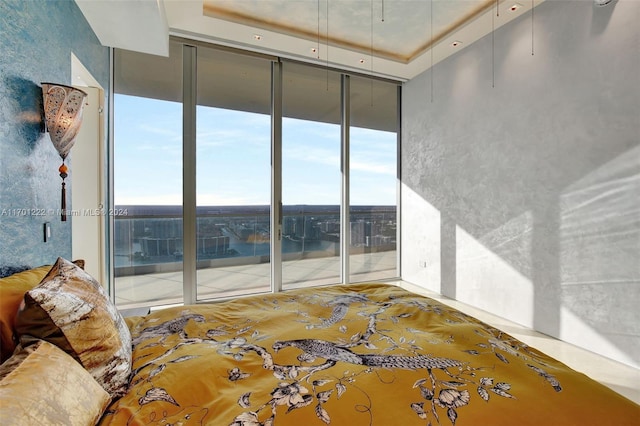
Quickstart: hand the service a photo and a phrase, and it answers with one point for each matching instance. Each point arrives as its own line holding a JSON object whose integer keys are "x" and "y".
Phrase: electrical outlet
{"x": 423, "y": 263}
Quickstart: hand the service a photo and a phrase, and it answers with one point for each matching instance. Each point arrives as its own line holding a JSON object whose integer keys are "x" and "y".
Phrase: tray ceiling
{"x": 389, "y": 38}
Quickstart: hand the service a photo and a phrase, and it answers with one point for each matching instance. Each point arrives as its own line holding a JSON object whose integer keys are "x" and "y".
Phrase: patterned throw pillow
{"x": 71, "y": 310}
{"x": 12, "y": 290}
{"x": 42, "y": 385}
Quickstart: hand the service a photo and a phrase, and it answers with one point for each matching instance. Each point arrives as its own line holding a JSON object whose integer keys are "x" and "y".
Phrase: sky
{"x": 233, "y": 158}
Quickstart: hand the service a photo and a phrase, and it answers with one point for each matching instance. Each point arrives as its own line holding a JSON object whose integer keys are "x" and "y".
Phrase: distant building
{"x": 153, "y": 234}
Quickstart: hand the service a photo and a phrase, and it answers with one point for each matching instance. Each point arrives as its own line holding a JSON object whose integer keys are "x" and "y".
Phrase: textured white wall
{"x": 521, "y": 175}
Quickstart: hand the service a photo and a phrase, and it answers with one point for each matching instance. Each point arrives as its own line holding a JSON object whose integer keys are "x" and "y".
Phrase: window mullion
{"x": 398, "y": 181}
{"x": 345, "y": 231}
{"x": 189, "y": 97}
{"x": 276, "y": 176}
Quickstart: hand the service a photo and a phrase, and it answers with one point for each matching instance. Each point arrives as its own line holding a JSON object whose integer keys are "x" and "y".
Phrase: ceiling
{"x": 396, "y": 39}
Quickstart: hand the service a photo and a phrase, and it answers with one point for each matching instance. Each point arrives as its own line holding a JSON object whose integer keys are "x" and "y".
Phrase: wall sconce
{"x": 63, "y": 116}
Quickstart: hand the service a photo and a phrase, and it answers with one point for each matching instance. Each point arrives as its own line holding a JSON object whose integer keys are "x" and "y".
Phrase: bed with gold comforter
{"x": 366, "y": 354}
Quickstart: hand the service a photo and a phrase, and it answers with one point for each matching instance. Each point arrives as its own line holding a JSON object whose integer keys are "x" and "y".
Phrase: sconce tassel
{"x": 63, "y": 194}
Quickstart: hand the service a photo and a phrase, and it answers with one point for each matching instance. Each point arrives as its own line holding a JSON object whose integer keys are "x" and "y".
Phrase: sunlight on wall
{"x": 420, "y": 223}
{"x": 448, "y": 260}
{"x": 491, "y": 158}
{"x": 487, "y": 280}
{"x": 574, "y": 325}
{"x": 599, "y": 252}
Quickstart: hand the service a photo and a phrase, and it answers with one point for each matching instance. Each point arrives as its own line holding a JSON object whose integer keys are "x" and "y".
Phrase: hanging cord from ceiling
{"x": 371, "y": 48}
{"x": 327, "y": 45}
{"x": 493, "y": 45}
{"x": 318, "y": 31}
{"x": 371, "y": 43}
{"x": 431, "y": 48}
{"x": 532, "y": 6}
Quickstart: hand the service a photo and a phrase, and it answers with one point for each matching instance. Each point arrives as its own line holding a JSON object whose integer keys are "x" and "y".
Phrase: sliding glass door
{"x": 200, "y": 158}
{"x": 233, "y": 143}
{"x": 147, "y": 187}
{"x": 310, "y": 176}
{"x": 373, "y": 178}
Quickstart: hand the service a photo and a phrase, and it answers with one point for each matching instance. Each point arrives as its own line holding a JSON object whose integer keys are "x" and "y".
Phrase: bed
{"x": 361, "y": 354}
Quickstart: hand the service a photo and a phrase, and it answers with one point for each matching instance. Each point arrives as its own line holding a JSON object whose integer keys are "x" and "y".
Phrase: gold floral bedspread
{"x": 367, "y": 354}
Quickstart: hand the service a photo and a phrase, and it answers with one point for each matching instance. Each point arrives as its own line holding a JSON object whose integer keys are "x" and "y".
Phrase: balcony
{"x": 233, "y": 250}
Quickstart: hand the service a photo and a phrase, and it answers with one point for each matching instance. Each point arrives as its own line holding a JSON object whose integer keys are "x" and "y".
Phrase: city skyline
{"x": 153, "y": 234}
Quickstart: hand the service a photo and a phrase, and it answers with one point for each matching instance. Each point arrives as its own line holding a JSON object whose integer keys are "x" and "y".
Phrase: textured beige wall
{"x": 521, "y": 178}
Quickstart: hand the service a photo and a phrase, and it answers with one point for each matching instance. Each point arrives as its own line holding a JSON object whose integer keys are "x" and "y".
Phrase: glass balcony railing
{"x": 152, "y": 235}
{"x": 148, "y": 239}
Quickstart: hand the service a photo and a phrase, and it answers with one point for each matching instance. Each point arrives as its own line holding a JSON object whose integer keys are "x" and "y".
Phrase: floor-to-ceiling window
{"x": 233, "y": 173}
{"x": 373, "y": 179}
{"x": 233, "y": 148}
{"x": 310, "y": 176}
{"x": 147, "y": 170}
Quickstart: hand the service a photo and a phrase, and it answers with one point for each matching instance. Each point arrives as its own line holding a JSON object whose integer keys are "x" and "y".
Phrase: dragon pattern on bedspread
{"x": 368, "y": 354}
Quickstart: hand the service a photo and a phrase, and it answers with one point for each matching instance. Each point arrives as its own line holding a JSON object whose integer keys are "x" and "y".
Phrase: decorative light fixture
{"x": 515, "y": 7}
{"x": 63, "y": 116}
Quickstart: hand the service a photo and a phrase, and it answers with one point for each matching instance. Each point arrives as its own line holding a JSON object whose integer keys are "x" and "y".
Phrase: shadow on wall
{"x": 579, "y": 248}
{"x": 28, "y": 96}
{"x": 575, "y": 237}
{"x": 543, "y": 170}
{"x": 600, "y": 249}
